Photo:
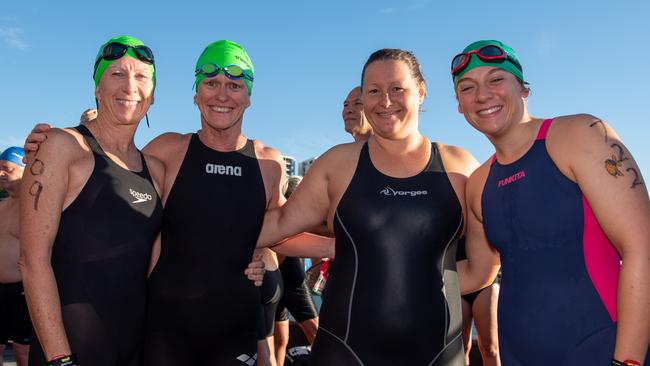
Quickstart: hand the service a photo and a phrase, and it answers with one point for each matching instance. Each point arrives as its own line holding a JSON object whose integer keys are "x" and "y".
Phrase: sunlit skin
{"x": 355, "y": 121}
{"x": 492, "y": 100}
{"x": 391, "y": 98}
{"x": 125, "y": 91}
{"x": 222, "y": 102}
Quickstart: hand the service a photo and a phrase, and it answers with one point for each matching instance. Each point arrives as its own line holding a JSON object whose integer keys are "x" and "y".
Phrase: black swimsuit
{"x": 100, "y": 258}
{"x": 202, "y": 308}
{"x": 393, "y": 297}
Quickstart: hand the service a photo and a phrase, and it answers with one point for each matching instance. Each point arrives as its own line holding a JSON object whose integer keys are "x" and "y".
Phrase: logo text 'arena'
{"x": 391, "y": 192}
{"x": 140, "y": 197}
{"x": 223, "y": 169}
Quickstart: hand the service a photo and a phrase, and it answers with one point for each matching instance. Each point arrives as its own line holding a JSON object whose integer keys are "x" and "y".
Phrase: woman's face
{"x": 222, "y": 101}
{"x": 491, "y": 99}
{"x": 391, "y": 98}
{"x": 125, "y": 90}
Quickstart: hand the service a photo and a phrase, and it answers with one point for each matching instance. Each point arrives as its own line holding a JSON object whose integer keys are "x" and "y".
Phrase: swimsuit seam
{"x": 344, "y": 343}
{"x": 354, "y": 278}
{"x": 444, "y": 348}
{"x": 442, "y": 264}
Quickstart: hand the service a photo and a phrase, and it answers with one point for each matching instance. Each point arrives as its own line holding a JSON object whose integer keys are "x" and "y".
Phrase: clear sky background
{"x": 580, "y": 56}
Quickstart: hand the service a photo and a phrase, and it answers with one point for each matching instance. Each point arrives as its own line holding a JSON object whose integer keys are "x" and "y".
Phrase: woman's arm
{"x": 42, "y": 196}
{"x": 590, "y": 152}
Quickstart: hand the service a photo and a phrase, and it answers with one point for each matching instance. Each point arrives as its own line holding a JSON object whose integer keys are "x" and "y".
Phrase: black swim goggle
{"x": 116, "y": 50}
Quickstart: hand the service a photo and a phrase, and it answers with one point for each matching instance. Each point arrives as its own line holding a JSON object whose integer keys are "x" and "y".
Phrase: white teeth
{"x": 129, "y": 103}
{"x": 490, "y": 110}
{"x": 221, "y": 109}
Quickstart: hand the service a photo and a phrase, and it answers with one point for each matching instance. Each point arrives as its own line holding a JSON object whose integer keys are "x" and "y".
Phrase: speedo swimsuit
{"x": 100, "y": 258}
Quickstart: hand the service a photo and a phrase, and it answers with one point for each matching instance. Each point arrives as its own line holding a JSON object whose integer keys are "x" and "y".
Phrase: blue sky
{"x": 579, "y": 56}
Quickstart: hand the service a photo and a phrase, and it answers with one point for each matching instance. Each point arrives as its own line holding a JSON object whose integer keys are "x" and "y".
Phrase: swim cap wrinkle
{"x": 475, "y": 61}
{"x": 103, "y": 64}
{"x": 225, "y": 53}
{"x": 14, "y": 155}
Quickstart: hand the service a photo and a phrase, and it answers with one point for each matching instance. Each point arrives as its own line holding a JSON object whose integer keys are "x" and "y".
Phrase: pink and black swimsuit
{"x": 560, "y": 272}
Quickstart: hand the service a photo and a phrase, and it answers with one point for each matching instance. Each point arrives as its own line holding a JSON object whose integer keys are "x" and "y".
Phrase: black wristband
{"x": 616, "y": 362}
{"x": 69, "y": 360}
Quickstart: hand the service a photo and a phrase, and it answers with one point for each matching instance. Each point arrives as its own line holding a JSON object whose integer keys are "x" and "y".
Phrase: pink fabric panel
{"x": 602, "y": 260}
{"x": 541, "y": 135}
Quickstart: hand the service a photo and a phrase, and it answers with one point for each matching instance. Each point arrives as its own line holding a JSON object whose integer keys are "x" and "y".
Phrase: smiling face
{"x": 222, "y": 102}
{"x": 491, "y": 99}
{"x": 125, "y": 91}
{"x": 391, "y": 98}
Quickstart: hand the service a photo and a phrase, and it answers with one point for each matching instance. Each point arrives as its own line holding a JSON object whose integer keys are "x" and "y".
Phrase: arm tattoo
{"x": 35, "y": 191}
{"x": 613, "y": 164}
{"x": 601, "y": 123}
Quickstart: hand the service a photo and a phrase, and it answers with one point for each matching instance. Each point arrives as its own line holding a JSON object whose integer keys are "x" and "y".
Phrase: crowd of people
{"x": 187, "y": 252}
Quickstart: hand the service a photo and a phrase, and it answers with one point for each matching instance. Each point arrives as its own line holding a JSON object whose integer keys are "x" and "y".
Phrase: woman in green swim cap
{"x": 565, "y": 205}
{"x": 90, "y": 211}
{"x": 201, "y": 308}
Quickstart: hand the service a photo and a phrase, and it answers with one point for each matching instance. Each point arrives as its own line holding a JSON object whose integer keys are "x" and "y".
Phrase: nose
{"x": 385, "y": 100}
{"x": 483, "y": 93}
{"x": 222, "y": 92}
{"x": 130, "y": 84}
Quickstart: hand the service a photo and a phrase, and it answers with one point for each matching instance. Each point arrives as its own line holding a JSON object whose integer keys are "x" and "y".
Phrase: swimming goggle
{"x": 488, "y": 53}
{"x": 233, "y": 72}
{"x": 116, "y": 50}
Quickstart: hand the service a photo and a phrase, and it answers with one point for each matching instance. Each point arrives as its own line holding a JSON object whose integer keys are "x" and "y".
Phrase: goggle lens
{"x": 458, "y": 60}
{"x": 232, "y": 71}
{"x": 490, "y": 53}
{"x": 114, "y": 51}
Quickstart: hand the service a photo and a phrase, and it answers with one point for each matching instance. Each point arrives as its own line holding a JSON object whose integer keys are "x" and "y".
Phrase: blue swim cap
{"x": 14, "y": 155}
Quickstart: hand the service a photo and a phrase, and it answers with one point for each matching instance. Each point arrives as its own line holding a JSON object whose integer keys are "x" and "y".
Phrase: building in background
{"x": 305, "y": 165}
{"x": 289, "y": 166}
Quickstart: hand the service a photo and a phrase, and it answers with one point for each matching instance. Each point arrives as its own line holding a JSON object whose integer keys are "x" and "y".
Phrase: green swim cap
{"x": 506, "y": 65}
{"x": 103, "y": 64}
{"x": 225, "y": 53}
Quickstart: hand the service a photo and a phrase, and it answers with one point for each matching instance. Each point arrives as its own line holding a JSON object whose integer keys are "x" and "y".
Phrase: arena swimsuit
{"x": 393, "y": 297}
{"x": 202, "y": 308}
{"x": 100, "y": 258}
{"x": 557, "y": 304}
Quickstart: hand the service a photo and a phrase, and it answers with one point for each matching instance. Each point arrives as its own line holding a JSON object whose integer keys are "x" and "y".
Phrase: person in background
{"x": 15, "y": 324}
{"x": 296, "y": 298}
{"x": 355, "y": 121}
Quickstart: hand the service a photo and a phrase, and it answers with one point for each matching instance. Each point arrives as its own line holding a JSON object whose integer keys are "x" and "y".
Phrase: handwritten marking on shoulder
{"x": 602, "y": 124}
